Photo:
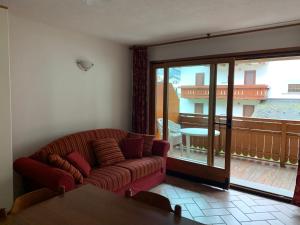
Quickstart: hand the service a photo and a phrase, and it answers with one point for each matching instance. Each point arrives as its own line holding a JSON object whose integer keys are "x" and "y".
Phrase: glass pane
{"x": 159, "y": 87}
{"x": 188, "y": 112}
{"x": 221, "y": 115}
{"x": 266, "y": 108}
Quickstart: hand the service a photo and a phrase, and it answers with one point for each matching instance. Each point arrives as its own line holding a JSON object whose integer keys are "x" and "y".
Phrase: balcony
{"x": 241, "y": 92}
{"x": 265, "y": 139}
{"x": 264, "y": 151}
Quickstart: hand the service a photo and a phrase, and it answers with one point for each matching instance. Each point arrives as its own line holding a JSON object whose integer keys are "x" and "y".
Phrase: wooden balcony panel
{"x": 263, "y": 139}
{"x": 241, "y": 92}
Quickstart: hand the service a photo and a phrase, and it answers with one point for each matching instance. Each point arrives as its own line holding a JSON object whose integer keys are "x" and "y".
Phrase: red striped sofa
{"x": 134, "y": 174}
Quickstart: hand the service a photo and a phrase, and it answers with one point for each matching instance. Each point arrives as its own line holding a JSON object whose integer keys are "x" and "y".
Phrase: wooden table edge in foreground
{"x": 90, "y": 205}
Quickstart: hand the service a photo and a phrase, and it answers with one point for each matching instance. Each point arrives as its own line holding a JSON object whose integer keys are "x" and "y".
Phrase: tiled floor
{"x": 210, "y": 205}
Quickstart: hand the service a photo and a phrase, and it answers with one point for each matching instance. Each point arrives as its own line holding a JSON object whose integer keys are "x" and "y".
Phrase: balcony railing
{"x": 265, "y": 139}
{"x": 241, "y": 92}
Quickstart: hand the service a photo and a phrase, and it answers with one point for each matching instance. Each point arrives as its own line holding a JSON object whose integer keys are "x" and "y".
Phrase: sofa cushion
{"x": 148, "y": 142}
{"x": 80, "y": 142}
{"x": 60, "y": 163}
{"x": 142, "y": 167}
{"x": 109, "y": 178}
{"x": 107, "y": 151}
{"x": 132, "y": 148}
{"x": 79, "y": 163}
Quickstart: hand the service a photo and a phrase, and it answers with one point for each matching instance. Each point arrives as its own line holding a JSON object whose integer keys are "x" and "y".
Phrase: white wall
{"x": 51, "y": 97}
{"x": 188, "y": 73}
{"x": 238, "y": 106}
{"x": 276, "y": 74}
{"x": 6, "y": 172}
{"x": 261, "y": 73}
{"x": 279, "y": 75}
{"x": 188, "y": 106}
{"x": 272, "y": 39}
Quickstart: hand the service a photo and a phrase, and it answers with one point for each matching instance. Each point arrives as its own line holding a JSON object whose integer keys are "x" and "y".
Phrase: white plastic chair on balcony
{"x": 174, "y": 134}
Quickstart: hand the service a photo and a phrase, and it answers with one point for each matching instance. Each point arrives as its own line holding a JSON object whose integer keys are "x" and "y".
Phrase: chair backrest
{"x": 160, "y": 122}
{"x": 2, "y": 214}
{"x": 173, "y": 127}
{"x": 29, "y": 199}
{"x": 157, "y": 201}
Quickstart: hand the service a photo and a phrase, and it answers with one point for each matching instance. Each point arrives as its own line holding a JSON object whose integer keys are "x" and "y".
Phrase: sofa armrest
{"x": 44, "y": 175}
{"x": 160, "y": 148}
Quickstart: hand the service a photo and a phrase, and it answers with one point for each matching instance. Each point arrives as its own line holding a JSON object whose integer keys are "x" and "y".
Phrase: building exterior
{"x": 257, "y": 84}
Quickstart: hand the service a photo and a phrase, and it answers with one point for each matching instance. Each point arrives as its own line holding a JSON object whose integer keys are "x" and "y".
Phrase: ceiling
{"x": 150, "y": 21}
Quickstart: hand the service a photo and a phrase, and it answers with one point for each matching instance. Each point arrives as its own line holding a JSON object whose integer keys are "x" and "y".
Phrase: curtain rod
{"x": 208, "y": 36}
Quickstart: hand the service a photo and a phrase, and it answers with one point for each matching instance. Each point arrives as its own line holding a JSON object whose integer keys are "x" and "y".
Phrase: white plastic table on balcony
{"x": 194, "y": 132}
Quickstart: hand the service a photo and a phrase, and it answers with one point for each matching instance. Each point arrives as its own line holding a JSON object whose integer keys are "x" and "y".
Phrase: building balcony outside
{"x": 241, "y": 92}
{"x": 264, "y": 152}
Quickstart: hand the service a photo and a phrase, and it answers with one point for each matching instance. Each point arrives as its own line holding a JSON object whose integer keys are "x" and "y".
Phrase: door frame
{"x": 219, "y": 176}
{"x": 245, "y": 55}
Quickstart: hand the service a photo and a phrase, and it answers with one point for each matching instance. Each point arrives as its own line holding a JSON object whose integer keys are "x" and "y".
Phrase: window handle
{"x": 227, "y": 124}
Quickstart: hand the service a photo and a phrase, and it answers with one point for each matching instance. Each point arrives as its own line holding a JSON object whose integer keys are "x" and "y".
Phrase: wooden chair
{"x": 2, "y": 214}
{"x": 157, "y": 201}
{"x": 32, "y": 198}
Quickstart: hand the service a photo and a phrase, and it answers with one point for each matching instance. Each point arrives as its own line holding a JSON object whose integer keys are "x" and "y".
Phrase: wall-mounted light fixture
{"x": 84, "y": 65}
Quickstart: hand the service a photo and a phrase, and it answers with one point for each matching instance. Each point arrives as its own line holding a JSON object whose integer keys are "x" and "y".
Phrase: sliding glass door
{"x": 192, "y": 109}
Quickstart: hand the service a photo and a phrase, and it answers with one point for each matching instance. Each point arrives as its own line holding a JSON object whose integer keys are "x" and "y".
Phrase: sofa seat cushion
{"x": 110, "y": 178}
{"x": 142, "y": 167}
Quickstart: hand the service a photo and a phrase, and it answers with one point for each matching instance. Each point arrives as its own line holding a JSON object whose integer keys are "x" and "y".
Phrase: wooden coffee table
{"x": 90, "y": 205}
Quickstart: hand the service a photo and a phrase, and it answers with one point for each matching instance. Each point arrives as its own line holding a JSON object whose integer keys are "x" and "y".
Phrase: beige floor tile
{"x": 209, "y": 205}
{"x": 260, "y": 216}
{"x": 209, "y": 219}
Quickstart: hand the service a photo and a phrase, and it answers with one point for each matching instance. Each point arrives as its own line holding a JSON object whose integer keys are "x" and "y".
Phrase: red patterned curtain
{"x": 296, "y": 199}
{"x": 140, "y": 89}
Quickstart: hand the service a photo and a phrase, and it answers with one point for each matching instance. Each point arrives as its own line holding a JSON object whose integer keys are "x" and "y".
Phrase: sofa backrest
{"x": 81, "y": 142}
